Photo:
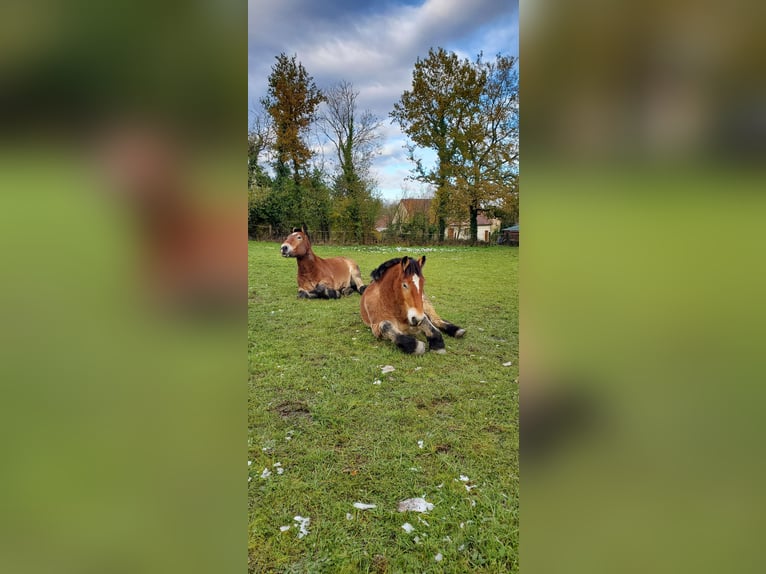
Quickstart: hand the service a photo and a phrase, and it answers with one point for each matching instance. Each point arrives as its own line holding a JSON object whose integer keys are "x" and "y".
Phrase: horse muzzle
{"x": 285, "y": 250}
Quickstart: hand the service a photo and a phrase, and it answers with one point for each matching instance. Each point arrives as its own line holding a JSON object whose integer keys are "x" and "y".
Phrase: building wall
{"x": 464, "y": 232}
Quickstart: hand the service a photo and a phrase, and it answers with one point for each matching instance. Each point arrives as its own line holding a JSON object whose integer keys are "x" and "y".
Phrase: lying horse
{"x": 395, "y": 307}
{"x": 317, "y": 277}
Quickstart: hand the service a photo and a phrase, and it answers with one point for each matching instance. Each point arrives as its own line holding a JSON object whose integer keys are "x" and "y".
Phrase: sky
{"x": 374, "y": 44}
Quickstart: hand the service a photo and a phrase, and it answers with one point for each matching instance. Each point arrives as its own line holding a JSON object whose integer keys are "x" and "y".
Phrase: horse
{"x": 321, "y": 278}
{"x": 395, "y": 307}
{"x": 191, "y": 254}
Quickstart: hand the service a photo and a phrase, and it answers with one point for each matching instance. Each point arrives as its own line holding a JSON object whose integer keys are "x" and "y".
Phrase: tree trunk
{"x": 441, "y": 205}
{"x": 474, "y": 226}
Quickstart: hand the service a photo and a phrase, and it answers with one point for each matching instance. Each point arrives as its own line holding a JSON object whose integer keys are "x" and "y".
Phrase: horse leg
{"x": 319, "y": 292}
{"x": 356, "y": 279}
{"x": 325, "y": 292}
{"x": 433, "y": 336}
{"x": 445, "y": 326}
{"x": 406, "y": 343}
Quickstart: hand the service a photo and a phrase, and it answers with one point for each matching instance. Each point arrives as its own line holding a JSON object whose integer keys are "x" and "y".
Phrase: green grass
{"x": 312, "y": 365}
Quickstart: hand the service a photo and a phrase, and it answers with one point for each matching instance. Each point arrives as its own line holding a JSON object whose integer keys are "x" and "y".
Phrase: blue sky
{"x": 374, "y": 45}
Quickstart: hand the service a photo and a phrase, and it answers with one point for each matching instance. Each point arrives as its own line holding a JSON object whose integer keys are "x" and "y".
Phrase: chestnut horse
{"x": 317, "y": 277}
{"x": 192, "y": 254}
{"x": 395, "y": 307}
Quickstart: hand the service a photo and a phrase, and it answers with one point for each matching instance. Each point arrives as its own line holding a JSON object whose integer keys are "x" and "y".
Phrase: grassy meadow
{"x": 328, "y": 428}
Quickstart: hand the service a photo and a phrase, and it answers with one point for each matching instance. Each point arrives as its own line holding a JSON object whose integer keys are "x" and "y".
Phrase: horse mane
{"x": 412, "y": 268}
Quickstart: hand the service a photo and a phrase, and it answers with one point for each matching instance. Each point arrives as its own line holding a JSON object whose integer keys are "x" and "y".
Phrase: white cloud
{"x": 374, "y": 45}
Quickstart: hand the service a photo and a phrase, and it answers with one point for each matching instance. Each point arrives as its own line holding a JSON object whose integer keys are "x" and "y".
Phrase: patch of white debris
{"x": 363, "y": 506}
{"x": 415, "y": 505}
{"x": 303, "y": 525}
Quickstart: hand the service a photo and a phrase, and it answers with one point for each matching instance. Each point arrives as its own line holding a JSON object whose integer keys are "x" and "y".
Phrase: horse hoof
{"x": 459, "y": 333}
{"x": 440, "y": 351}
{"x": 420, "y": 348}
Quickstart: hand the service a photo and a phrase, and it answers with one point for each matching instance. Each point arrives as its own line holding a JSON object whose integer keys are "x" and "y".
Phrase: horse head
{"x": 408, "y": 283}
{"x": 297, "y": 244}
{"x": 412, "y": 283}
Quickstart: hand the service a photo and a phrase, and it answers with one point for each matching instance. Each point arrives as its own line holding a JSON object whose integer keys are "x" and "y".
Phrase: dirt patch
{"x": 443, "y": 448}
{"x": 434, "y": 403}
{"x": 379, "y": 564}
{"x": 293, "y": 410}
{"x": 441, "y": 401}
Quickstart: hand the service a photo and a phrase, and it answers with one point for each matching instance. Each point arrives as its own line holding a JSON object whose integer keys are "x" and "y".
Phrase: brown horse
{"x": 191, "y": 253}
{"x": 395, "y": 307}
{"x": 317, "y": 277}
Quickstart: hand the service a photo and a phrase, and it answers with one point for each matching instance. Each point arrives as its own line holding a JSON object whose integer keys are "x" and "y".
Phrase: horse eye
{"x": 299, "y": 237}
{"x": 405, "y": 286}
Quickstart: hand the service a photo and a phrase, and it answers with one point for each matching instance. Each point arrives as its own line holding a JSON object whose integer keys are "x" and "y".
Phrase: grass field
{"x": 332, "y": 429}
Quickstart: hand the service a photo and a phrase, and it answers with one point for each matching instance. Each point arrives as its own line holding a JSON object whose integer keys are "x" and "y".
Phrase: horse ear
{"x": 296, "y": 229}
{"x": 405, "y": 261}
{"x": 303, "y": 228}
{"x": 422, "y": 261}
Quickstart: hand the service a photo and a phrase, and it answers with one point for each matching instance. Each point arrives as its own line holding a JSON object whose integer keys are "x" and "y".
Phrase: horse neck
{"x": 162, "y": 215}
{"x": 307, "y": 261}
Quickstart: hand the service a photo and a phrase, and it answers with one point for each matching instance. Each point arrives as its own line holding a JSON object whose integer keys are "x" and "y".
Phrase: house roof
{"x": 511, "y": 228}
{"x": 416, "y": 205}
{"x": 481, "y": 219}
{"x": 381, "y": 222}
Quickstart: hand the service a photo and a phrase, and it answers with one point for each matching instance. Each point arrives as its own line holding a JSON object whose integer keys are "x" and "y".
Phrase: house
{"x": 509, "y": 235}
{"x": 462, "y": 230}
{"x": 409, "y": 208}
{"x": 381, "y": 224}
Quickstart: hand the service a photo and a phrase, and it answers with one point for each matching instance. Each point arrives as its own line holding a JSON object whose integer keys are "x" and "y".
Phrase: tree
{"x": 260, "y": 137}
{"x": 467, "y": 112}
{"x": 444, "y": 89}
{"x": 355, "y": 139}
{"x": 485, "y": 167}
{"x": 353, "y": 135}
{"x": 291, "y": 101}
